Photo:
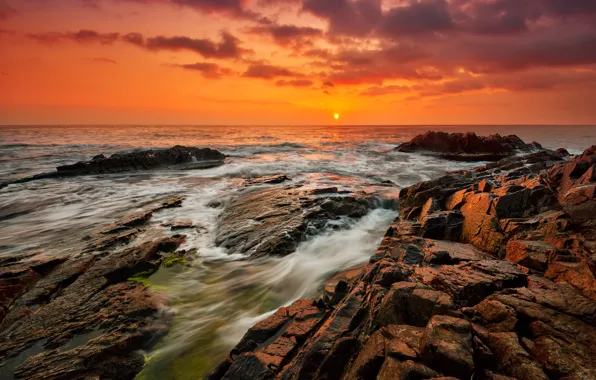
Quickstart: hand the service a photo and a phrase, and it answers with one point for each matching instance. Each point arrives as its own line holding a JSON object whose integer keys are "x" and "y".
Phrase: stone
{"x": 274, "y": 220}
{"x": 531, "y": 254}
{"x": 447, "y": 346}
{"x": 465, "y": 147}
{"x": 88, "y": 318}
{"x": 413, "y": 304}
{"x": 514, "y": 360}
{"x": 394, "y": 369}
{"x": 177, "y": 157}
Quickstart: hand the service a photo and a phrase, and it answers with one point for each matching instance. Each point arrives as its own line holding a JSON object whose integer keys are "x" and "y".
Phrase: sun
{"x": 336, "y": 116}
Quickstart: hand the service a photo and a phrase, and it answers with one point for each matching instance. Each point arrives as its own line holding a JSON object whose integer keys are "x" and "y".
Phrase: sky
{"x": 215, "y": 62}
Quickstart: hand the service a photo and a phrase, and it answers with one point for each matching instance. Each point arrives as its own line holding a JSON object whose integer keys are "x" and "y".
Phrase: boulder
{"x": 466, "y": 146}
{"x": 274, "y": 220}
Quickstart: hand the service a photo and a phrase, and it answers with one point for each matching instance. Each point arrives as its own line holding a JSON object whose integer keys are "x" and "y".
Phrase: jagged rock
{"x": 466, "y": 146}
{"x": 514, "y": 360}
{"x": 394, "y": 369}
{"x": 447, "y": 346}
{"x": 478, "y": 306}
{"x": 87, "y": 317}
{"x": 531, "y": 254}
{"x": 274, "y": 220}
{"x": 412, "y": 304}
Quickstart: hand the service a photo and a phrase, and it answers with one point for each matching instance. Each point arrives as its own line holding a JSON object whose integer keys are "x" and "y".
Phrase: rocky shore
{"x": 486, "y": 274}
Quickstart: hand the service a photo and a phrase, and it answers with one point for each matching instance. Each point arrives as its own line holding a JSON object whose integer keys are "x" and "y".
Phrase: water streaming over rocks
{"x": 216, "y": 292}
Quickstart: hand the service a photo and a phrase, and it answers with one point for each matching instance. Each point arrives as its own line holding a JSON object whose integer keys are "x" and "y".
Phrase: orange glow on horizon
{"x": 161, "y": 63}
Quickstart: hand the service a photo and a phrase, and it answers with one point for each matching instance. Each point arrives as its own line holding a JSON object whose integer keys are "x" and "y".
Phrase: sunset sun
{"x": 336, "y": 116}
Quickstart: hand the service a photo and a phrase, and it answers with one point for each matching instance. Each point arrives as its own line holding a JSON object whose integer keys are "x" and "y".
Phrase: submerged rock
{"x": 473, "y": 307}
{"x": 177, "y": 157}
{"x": 467, "y": 146}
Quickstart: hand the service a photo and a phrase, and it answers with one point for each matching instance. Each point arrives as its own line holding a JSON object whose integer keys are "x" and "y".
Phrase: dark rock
{"x": 514, "y": 360}
{"x": 267, "y": 180}
{"x": 447, "y": 346}
{"x": 563, "y": 152}
{"x": 412, "y": 304}
{"x": 531, "y": 254}
{"x": 394, "y": 369}
{"x": 90, "y": 321}
{"x": 274, "y": 220}
{"x": 465, "y": 146}
{"x": 178, "y": 157}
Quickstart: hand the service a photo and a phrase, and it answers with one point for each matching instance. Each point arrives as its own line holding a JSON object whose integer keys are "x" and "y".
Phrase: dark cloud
{"x": 208, "y": 70}
{"x": 265, "y": 71}
{"x": 82, "y": 36}
{"x": 233, "y": 8}
{"x": 418, "y": 17}
{"x": 349, "y": 17}
{"x": 6, "y": 10}
{"x": 295, "y": 83}
{"x": 285, "y": 35}
{"x": 228, "y": 47}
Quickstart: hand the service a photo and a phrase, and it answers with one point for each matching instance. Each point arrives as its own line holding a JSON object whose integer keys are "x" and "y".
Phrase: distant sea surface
{"x": 211, "y": 312}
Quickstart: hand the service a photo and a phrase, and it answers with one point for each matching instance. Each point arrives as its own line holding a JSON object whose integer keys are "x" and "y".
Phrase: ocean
{"x": 217, "y": 298}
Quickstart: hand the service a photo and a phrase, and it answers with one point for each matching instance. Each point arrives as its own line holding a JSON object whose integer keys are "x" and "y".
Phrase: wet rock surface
{"x": 507, "y": 292}
{"x": 82, "y": 316}
{"x": 177, "y": 157}
{"x": 272, "y": 220}
{"x": 467, "y": 146}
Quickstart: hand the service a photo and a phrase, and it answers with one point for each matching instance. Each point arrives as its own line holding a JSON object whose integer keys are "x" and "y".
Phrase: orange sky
{"x": 297, "y": 61}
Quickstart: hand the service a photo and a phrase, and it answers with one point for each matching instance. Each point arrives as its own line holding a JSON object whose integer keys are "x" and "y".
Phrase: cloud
{"x": 6, "y": 11}
{"x": 418, "y": 17}
{"x": 286, "y": 35}
{"x": 265, "y": 71}
{"x": 104, "y": 60}
{"x": 295, "y": 83}
{"x": 349, "y": 17}
{"x": 228, "y": 47}
{"x": 82, "y": 36}
{"x": 208, "y": 70}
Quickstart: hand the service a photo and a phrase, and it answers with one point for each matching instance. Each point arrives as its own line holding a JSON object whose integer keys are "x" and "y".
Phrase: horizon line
{"x": 293, "y": 125}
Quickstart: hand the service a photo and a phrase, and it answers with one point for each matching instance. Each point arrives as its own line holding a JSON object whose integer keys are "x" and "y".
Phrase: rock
{"x": 531, "y": 254}
{"x": 563, "y": 152}
{"x": 394, "y": 369}
{"x": 412, "y": 304}
{"x": 513, "y": 358}
{"x": 179, "y": 224}
{"x": 447, "y": 346}
{"x": 85, "y": 317}
{"x": 177, "y": 157}
{"x": 512, "y": 296}
{"x": 274, "y": 220}
{"x": 267, "y": 180}
{"x": 466, "y": 147}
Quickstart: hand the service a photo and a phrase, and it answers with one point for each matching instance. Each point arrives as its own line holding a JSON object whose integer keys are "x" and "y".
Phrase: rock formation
{"x": 81, "y": 316}
{"x": 467, "y": 146}
{"x": 486, "y": 273}
{"x": 273, "y": 220}
{"x": 178, "y": 157}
